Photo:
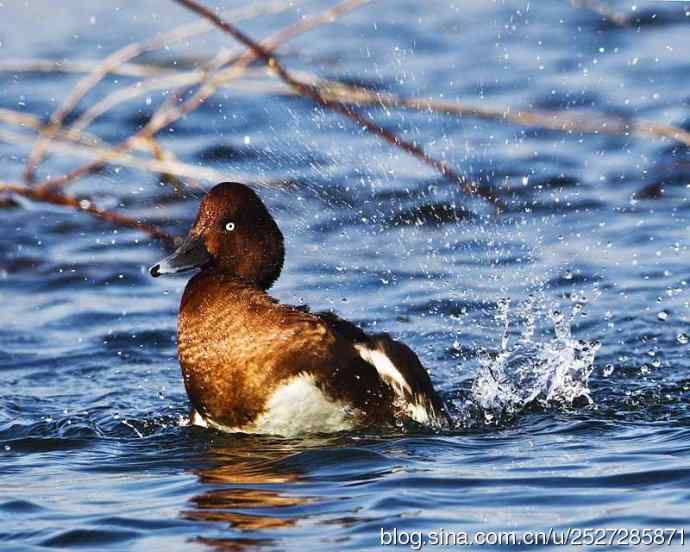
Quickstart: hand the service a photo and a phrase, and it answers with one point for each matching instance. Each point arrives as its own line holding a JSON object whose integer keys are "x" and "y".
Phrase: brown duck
{"x": 252, "y": 364}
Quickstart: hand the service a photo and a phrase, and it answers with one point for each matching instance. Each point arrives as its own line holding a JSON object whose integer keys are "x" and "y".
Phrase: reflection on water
{"x": 247, "y": 489}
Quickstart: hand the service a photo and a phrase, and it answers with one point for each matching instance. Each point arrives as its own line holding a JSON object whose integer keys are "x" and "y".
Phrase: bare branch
{"x": 107, "y": 155}
{"x": 115, "y": 60}
{"x": 87, "y": 206}
{"x": 260, "y": 51}
{"x": 550, "y": 120}
{"x": 171, "y": 111}
{"x": 559, "y": 121}
{"x": 81, "y": 66}
{"x": 29, "y": 121}
{"x": 601, "y": 9}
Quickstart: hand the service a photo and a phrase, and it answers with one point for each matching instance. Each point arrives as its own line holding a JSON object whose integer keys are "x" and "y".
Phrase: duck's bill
{"x": 191, "y": 254}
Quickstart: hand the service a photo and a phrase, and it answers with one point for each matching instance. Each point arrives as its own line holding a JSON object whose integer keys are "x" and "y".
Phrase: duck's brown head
{"x": 233, "y": 233}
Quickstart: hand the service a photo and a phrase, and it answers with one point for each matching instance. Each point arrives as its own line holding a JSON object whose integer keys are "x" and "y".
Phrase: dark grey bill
{"x": 191, "y": 254}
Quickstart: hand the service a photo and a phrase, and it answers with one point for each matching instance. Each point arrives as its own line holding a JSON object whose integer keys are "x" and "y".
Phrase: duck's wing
{"x": 398, "y": 366}
{"x": 342, "y": 327}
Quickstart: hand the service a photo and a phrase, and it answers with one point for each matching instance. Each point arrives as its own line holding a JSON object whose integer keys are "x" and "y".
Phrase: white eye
{"x": 229, "y": 227}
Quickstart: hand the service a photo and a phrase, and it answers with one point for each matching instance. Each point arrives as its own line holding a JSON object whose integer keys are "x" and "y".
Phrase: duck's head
{"x": 233, "y": 233}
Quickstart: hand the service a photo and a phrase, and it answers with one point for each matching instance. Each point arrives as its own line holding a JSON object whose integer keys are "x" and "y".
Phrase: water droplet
{"x": 683, "y": 338}
{"x": 663, "y": 316}
{"x": 608, "y": 370}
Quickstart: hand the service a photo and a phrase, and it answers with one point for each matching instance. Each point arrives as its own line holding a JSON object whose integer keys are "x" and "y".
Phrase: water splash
{"x": 531, "y": 369}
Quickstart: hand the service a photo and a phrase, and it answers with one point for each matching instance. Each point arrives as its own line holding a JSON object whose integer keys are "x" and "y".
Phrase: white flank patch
{"x": 197, "y": 419}
{"x": 386, "y": 369}
{"x": 297, "y": 407}
{"x": 419, "y": 413}
{"x": 301, "y": 407}
{"x": 391, "y": 375}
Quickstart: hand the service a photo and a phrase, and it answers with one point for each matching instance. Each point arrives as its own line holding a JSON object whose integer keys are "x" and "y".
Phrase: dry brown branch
{"x": 29, "y": 121}
{"x": 176, "y": 80}
{"x": 164, "y": 156}
{"x": 234, "y": 72}
{"x": 118, "y": 58}
{"x": 346, "y": 93}
{"x": 106, "y": 155}
{"x": 132, "y": 92}
{"x": 81, "y": 66}
{"x": 87, "y": 206}
{"x": 356, "y": 96}
{"x": 19, "y": 118}
{"x": 548, "y": 120}
{"x": 601, "y": 9}
{"x": 468, "y": 187}
{"x": 171, "y": 111}
{"x": 558, "y": 121}
{"x": 659, "y": 130}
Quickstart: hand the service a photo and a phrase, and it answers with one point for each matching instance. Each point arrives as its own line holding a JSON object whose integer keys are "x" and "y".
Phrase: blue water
{"x": 95, "y": 449}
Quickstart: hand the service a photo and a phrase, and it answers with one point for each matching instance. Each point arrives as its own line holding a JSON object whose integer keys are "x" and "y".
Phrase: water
{"x": 557, "y": 332}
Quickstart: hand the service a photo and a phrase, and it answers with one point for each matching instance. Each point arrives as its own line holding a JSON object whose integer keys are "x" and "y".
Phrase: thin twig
{"x": 181, "y": 81}
{"x": 234, "y": 72}
{"x": 659, "y": 130}
{"x": 30, "y": 121}
{"x": 165, "y": 156}
{"x": 559, "y": 121}
{"x": 92, "y": 143}
{"x": 548, "y": 120}
{"x": 87, "y": 206}
{"x": 171, "y": 111}
{"x": 132, "y": 92}
{"x": 107, "y": 155}
{"x": 115, "y": 60}
{"x": 355, "y": 95}
{"x": 81, "y": 66}
{"x": 468, "y": 187}
{"x": 603, "y": 10}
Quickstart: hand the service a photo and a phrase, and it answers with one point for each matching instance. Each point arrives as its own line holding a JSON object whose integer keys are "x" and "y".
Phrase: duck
{"x": 251, "y": 364}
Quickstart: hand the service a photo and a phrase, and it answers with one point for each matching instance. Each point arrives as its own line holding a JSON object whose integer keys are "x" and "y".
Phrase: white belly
{"x": 295, "y": 408}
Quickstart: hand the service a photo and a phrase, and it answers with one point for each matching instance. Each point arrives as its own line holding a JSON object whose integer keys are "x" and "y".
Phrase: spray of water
{"x": 531, "y": 369}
